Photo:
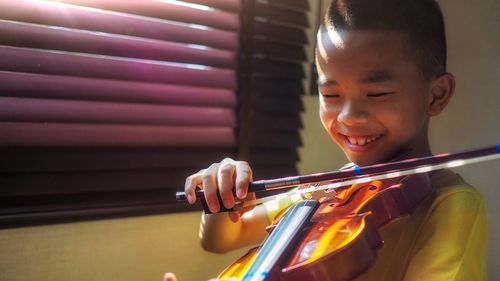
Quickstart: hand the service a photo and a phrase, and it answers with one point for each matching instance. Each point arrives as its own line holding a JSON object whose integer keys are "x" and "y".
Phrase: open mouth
{"x": 361, "y": 140}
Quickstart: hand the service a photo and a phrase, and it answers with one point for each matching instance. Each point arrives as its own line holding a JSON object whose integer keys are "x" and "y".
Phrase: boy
{"x": 382, "y": 75}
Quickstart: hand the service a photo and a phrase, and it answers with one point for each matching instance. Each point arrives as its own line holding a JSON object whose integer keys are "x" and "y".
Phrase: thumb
{"x": 169, "y": 276}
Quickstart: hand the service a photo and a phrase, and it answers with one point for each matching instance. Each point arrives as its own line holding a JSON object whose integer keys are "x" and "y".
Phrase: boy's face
{"x": 373, "y": 99}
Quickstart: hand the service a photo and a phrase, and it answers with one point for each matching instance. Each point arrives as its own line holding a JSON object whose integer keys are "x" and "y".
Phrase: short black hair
{"x": 421, "y": 22}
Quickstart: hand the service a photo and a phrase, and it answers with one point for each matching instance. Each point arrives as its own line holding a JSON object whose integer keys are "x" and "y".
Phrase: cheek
{"x": 328, "y": 116}
{"x": 405, "y": 123}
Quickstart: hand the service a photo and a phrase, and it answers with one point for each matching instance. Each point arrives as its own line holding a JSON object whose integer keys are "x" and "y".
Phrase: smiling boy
{"x": 382, "y": 75}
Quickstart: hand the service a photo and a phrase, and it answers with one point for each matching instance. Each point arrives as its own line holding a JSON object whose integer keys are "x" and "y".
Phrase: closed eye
{"x": 330, "y": 96}
{"x": 376, "y": 95}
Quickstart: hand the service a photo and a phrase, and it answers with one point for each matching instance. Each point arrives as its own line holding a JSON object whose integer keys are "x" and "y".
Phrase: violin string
{"x": 335, "y": 185}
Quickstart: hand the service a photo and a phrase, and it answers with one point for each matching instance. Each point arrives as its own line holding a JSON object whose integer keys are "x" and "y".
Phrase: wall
{"x": 471, "y": 119}
{"x": 132, "y": 249}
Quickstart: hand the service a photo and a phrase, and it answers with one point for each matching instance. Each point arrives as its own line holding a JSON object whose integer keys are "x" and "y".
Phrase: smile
{"x": 361, "y": 140}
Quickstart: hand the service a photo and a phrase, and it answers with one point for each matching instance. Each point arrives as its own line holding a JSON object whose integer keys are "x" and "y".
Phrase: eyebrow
{"x": 377, "y": 77}
{"x": 371, "y": 78}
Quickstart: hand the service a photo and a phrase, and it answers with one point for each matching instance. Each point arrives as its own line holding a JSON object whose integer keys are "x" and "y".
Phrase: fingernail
{"x": 240, "y": 193}
{"x": 213, "y": 206}
{"x": 189, "y": 198}
{"x": 227, "y": 204}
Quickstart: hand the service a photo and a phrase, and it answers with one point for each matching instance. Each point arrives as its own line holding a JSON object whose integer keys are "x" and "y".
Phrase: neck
{"x": 417, "y": 148}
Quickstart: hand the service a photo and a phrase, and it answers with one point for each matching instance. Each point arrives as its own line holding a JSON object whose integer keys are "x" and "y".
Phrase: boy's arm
{"x": 220, "y": 233}
{"x": 452, "y": 244}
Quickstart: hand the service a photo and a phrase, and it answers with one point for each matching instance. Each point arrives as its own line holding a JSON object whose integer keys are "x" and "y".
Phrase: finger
{"x": 251, "y": 196}
{"x": 169, "y": 276}
{"x": 209, "y": 180}
{"x": 225, "y": 178}
{"x": 243, "y": 178}
{"x": 234, "y": 216}
{"x": 190, "y": 187}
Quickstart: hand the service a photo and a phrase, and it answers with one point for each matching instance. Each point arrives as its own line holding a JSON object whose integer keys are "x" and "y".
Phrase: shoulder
{"x": 452, "y": 238}
{"x": 450, "y": 187}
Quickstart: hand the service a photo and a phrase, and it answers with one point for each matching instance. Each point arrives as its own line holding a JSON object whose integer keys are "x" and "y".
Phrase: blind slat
{"x": 274, "y": 157}
{"x": 301, "y": 5}
{"x": 287, "y": 51}
{"x": 17, "y": 210}
{"x": 46, "y": 37}
{"x": 49, "y": 110}
{"x": 276, "y": 123}
{"x": 57, "y": 134}
{"x": 281, "y": 33}
{"x": 276, "y": 86}
{"x": 76, "y": 17}
{"x": 176, "y": 11}
{"x": 43, "y": 183}
{"x": 54, "y": 159}
{"x": 291, "y": 105}
{"x": 230, "y": 5}
{"x": 269, "y": 139}
{"x": 56, "y": 62}
{"x": 274, "y": 171}
{"x": 276, "y": 68}
{"x": 16, "y": 84}
{"x": 281, "y": 14}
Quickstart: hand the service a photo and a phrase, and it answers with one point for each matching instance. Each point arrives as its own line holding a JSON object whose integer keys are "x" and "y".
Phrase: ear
{"x": 442, "y": 88}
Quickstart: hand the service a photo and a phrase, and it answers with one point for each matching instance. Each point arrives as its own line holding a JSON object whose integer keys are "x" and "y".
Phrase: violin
{"x": 332, "y": 232}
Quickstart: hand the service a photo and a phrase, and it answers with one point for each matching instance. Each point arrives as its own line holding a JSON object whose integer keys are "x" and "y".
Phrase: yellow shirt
{"x": 444, "y": 239}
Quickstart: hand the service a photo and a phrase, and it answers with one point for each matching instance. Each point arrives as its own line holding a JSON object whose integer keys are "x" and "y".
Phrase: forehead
{"x": 361, "y": 51}
{"x": 369, "y": 43}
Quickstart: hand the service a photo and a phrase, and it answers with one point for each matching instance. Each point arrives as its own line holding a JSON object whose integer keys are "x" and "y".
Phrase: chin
{"x": 364, "y": 159}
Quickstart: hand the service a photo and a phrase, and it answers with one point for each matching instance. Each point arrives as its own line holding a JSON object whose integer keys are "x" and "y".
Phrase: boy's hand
{"x": 221, "y": 177}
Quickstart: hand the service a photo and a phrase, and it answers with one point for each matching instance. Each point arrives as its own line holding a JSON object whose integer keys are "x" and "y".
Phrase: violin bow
{"x": 336, "y": 179}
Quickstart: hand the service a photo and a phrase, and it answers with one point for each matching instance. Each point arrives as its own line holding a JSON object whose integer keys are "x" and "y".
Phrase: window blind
{"x": 277, "y": 73}
{"x": 106, "y": 106}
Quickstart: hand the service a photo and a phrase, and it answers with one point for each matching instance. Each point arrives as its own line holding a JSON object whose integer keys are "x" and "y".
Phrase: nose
{"x": 352, "y": 113}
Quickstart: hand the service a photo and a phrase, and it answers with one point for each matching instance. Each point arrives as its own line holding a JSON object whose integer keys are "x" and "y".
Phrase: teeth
{"x": 361, "y": 140}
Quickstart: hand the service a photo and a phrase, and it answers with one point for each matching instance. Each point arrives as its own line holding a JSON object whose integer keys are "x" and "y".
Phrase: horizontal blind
{"x": 279, "y": 40}
{"x": 106, "y": 106}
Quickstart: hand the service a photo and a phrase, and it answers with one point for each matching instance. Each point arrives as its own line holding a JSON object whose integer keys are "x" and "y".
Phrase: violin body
{"x": 339, "y": 239}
